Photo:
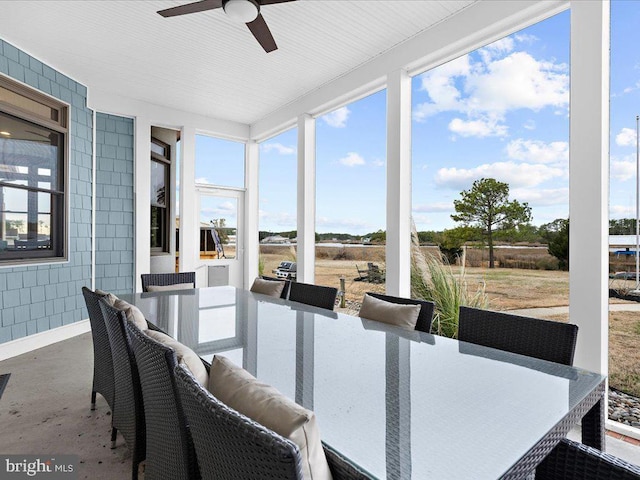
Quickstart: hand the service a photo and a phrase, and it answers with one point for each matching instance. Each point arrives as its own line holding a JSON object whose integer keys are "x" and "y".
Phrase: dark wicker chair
{"x": 128, "y": 410}
{"x": 426, "y": 309}
{"x": 102, "y": 359}
{"x": 570, "y": 460}
{"x": 167, "y": 279}
{"x": 315, "y": 295}
{"x": 230, "y": 446}
{"x": 287, "y": 283}
{"x": 170, "y": 453}
{"x": 533, "y": 337}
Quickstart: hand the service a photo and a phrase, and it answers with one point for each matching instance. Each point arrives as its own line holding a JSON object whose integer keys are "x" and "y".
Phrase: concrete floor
{"x": 45, "y": 410}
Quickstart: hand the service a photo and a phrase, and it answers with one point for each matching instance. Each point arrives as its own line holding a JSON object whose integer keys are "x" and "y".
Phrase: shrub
{"x": 435, "y": 281}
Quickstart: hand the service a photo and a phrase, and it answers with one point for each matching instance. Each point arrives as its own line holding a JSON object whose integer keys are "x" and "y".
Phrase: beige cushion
{"x": 272, "y": 288}
{"x": 133, "y": 313}
{"x": 109, "y": 297}
{"x": 184, "y": 354}
{"x": 262, "y": 403}
{"x": 167, "y": 288}
{"x": 404, "y": 316}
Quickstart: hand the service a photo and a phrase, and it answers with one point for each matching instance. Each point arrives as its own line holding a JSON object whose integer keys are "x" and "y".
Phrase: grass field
{"x": 507, "y": 289}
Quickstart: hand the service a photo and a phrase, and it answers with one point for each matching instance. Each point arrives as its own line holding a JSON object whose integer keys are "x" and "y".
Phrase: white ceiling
{"x": 203, "y": 62}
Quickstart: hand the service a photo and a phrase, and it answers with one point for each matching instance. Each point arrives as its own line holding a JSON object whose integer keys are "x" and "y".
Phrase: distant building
{"x": 275, "y": 239}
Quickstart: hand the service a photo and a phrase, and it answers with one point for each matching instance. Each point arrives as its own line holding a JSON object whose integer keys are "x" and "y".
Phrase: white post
{"x": 189, "y": 221}
{"x": 637, "y": 289}
{"x": 589, "y": 182}
{"x": 306, "y": 199}
{"x": 251, "y": 209}
{"x": 398, "y": 250}
{"x": 142, "y": 187}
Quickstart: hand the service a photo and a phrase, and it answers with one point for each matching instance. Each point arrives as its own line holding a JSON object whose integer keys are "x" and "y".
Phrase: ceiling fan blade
{"x": 191, "y": 8}
{"x": 262, "y": 33}
{"x": 271, "y": 2}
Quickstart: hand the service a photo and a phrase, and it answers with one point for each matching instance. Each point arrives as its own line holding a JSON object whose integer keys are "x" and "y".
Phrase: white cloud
{"x": 621, "y": 211}
{"x": 378, "y": 162}
{"x": 224, "y": 209}
{"x": 202, "y": 180}
{"x": 337, "y": 118}
{"x": 541, "y": 196}
{"x": 529, "y": 125}
{"x": 497, "y": 48}
{"x": 278, "y": 147}
{"x": 493, "y": 86}
{"x": 280, "y": 219}
{"x": 344, "y": 224}
{"x": 626, "y": 137}
{"x": 525, "y": 38}
{"x": 352, "y": 159}
{"x": 515, "y": 174}
{"x": 478, "y": 128}
{"x": 434, "y": 207}
{"x": 439, "y": 83}
{"x": 623, "y": 170}
{"x": 536, "y": 151}
{"x": 518, "y": 81}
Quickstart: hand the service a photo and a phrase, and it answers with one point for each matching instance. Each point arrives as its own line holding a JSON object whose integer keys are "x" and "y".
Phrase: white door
{"x": 220, "y": 213}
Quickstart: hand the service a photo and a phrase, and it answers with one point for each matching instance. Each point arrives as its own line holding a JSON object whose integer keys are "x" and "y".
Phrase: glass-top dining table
{"x": 399, "y": 404}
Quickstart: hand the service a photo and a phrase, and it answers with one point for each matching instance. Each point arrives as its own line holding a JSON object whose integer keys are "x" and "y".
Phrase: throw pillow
{"x": 405, "y": 316}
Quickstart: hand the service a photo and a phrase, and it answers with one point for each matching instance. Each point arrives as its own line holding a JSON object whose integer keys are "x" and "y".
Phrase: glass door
{"x": 220, "y": 214}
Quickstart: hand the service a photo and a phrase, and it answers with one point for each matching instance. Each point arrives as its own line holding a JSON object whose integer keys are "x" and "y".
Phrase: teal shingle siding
{"x": 41, "y": 297}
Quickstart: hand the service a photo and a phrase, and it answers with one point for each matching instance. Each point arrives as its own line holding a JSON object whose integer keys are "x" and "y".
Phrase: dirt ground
{"x": 507, "y": 289}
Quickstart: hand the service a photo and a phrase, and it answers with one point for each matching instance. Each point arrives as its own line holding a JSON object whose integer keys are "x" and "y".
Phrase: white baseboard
{"x": 42, "y": 339}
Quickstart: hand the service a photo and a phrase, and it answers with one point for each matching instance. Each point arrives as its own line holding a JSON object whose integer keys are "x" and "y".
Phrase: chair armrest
{"x": 573, "y": 460}
{"x": 342, "y": 469}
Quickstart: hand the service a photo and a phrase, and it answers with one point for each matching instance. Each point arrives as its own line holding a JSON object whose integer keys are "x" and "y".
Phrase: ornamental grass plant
{"x": 433, "y": 279}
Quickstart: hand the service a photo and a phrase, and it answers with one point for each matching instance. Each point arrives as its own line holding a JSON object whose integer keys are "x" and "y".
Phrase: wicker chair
{"x": 167, "y": 279}
{"x": 128, "y": 410}
{"x": 315, "y": 295}
{"x": 425, "y": 317}
{"x": 570, "y": 460}
{"x": 103, "y": 382}
{"x": 533, "y": 337}
{"x": 230, "y": 446}
{"x": 170, "y": 453}
{"x": 287, "y": 283}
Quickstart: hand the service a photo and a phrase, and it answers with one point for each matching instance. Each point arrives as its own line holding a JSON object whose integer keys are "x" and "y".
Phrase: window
{"x": 160, "y": 170}
{"x": 33, "y": 139}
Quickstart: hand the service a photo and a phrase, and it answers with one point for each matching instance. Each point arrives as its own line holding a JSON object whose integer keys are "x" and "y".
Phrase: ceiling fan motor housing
{"x": 244, "y": 11}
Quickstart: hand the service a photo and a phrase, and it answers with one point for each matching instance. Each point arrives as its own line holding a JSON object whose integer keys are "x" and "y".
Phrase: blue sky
{"x": 501, "y": 112}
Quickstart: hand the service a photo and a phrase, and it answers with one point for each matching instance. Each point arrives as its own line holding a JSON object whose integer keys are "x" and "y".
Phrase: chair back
{"x": 128, "y": 410}
{"x": 533, "y": 337}
{"x": 230, "y": 446}
{"x": 425, "y": 317}
{"x": 170, "y": 453}
{"x": 163, "y": 279}
{"x": 315, "y": 295}
{"x": 102, "y": 359}
{"x": 287, "y": 283}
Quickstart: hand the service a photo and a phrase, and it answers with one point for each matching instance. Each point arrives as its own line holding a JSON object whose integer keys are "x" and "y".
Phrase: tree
{"x": 557, "y": 234}
{"x": 487, "y": 206}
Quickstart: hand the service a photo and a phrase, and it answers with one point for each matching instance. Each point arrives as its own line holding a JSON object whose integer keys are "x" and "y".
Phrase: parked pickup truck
{"x": 286, "y": 270}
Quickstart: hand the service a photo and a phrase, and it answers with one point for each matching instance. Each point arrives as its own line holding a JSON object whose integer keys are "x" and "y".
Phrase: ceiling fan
{"x": 246, "y": 11}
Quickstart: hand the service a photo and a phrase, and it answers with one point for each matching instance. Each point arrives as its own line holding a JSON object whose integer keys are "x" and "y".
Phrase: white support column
{"x": 589, "y": 182}
{"x": 251, "y": 209}
{"x": 189, "y": 221}
{"x": 306, "y": 199}
{"x": 141, "y": 189}
{"x": 398, "y": 250}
